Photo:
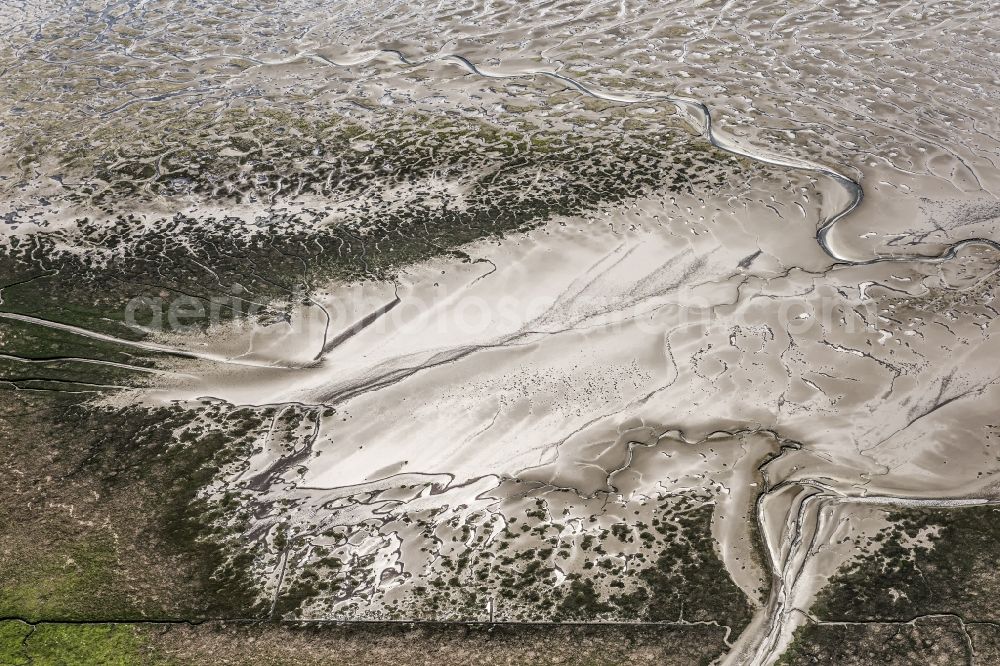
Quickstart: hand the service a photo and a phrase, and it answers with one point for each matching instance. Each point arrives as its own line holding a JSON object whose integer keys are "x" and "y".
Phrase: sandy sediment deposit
{"x": 612, "y": 314}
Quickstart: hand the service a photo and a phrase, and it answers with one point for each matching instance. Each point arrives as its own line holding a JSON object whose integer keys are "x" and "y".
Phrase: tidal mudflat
{"x": 661, "y": 330}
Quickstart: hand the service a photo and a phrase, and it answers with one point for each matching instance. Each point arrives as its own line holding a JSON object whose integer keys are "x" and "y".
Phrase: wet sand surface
{"x": 794, "y": 347}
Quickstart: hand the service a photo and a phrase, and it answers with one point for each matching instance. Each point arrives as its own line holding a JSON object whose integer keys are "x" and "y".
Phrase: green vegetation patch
{"x": 274, "y": 644}
{"x": 65, "y": 579}
{"x": 930, "y": 641}
{"x": 104, "y": 517}
{"x": 928, "y": 561}
{"x": 74, "y": 645}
